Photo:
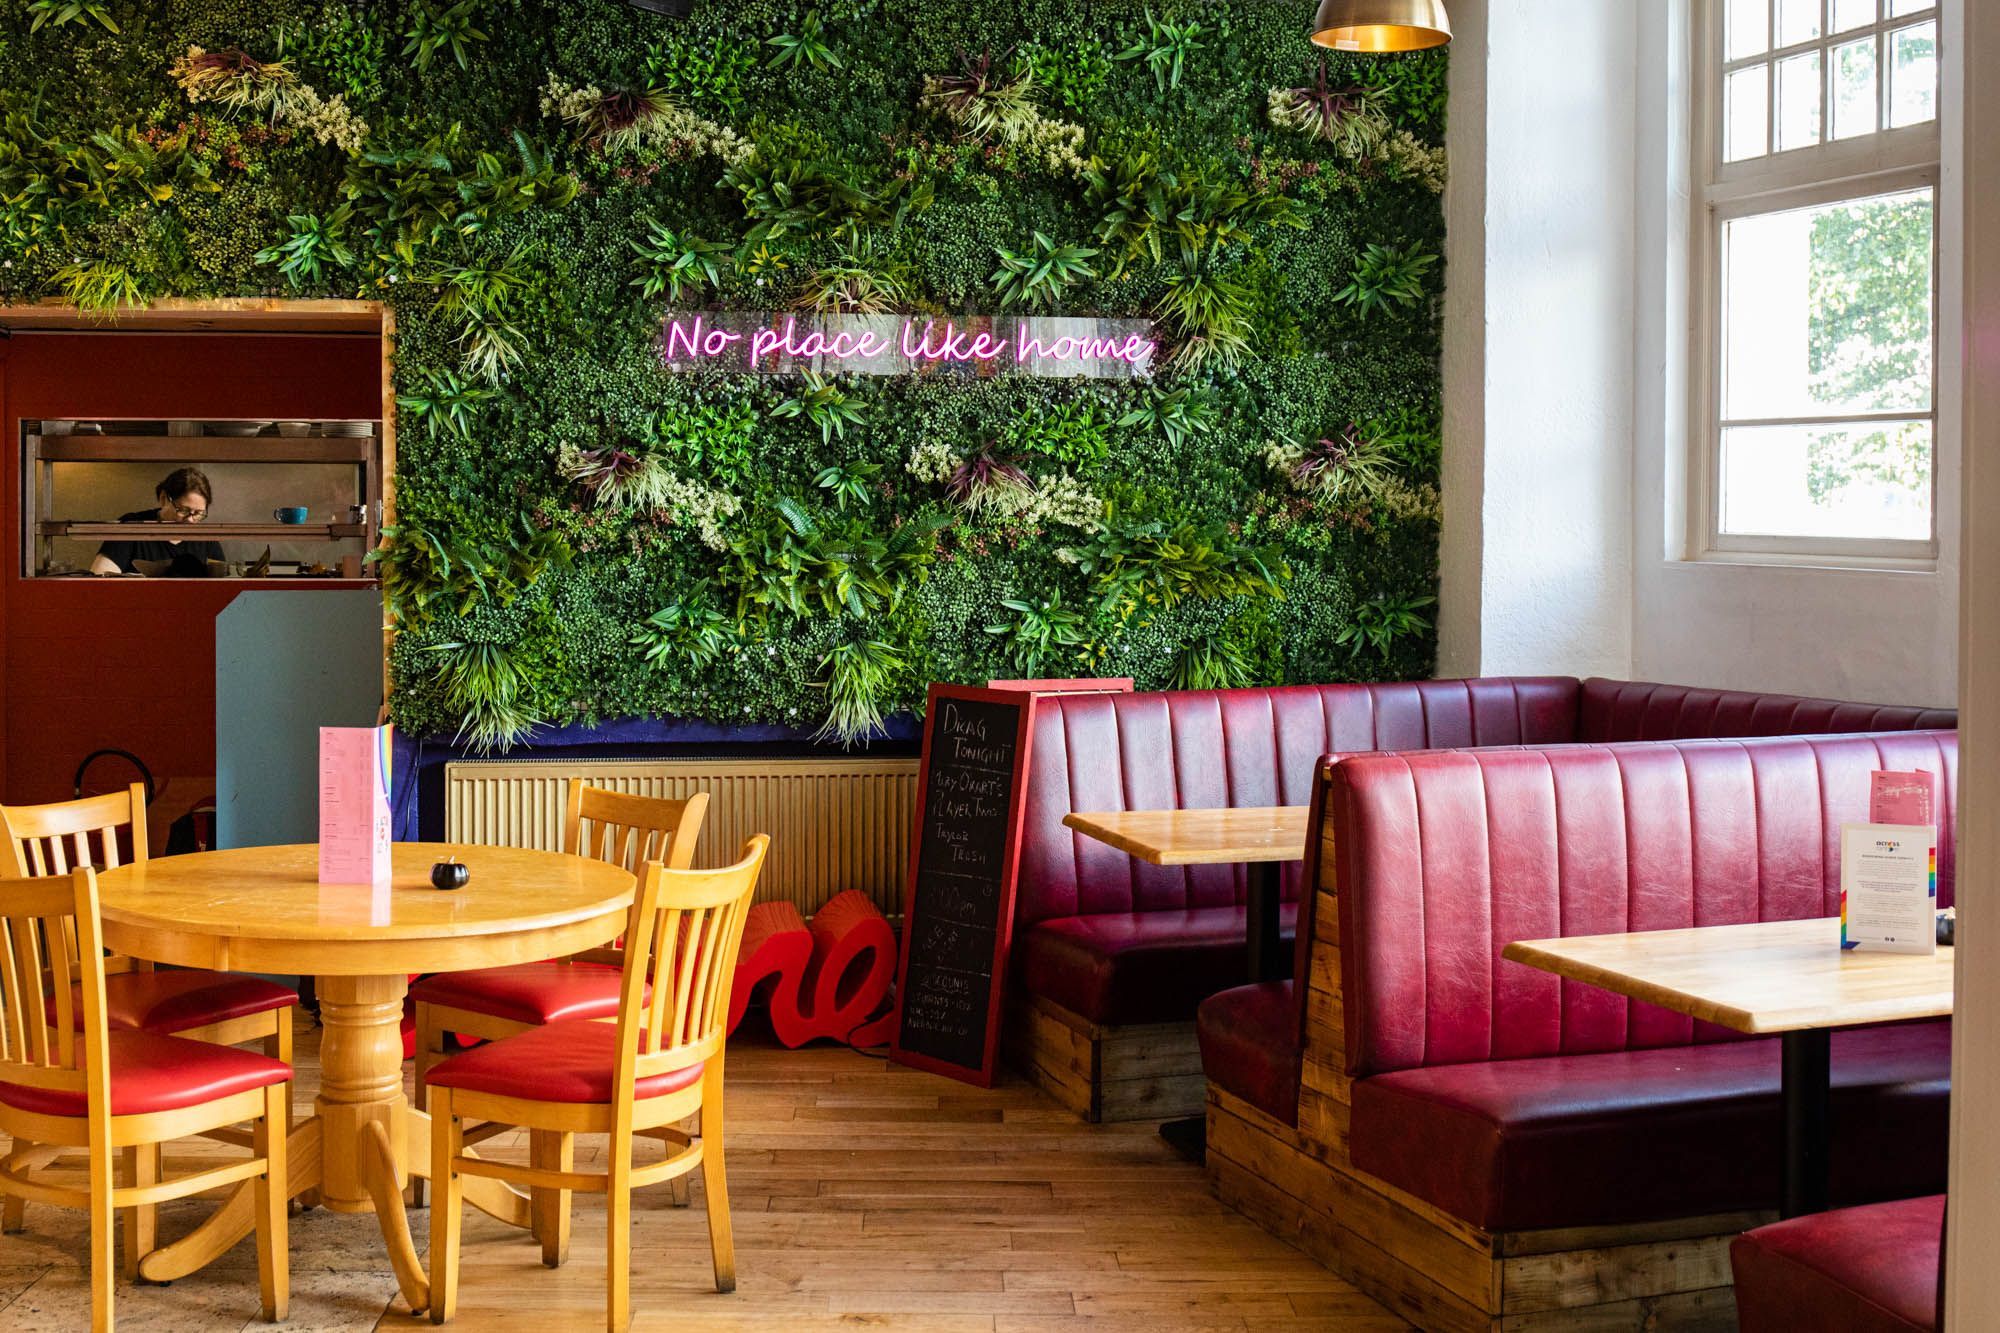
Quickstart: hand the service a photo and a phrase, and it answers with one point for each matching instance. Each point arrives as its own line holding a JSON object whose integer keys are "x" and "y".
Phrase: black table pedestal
{"x": 1807, "y": 1080}
{"x": 1263, "y": 946}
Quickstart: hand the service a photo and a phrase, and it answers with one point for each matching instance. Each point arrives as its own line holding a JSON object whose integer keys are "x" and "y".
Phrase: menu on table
{"x": 1888, "y": 868}
{"x": 354, "y": 805}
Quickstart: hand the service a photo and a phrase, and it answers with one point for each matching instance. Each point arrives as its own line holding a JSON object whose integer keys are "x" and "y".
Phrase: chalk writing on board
{"x": 953, "y": 930}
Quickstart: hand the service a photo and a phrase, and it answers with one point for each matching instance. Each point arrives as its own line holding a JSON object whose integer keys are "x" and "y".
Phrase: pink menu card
{"x": 354, "y": 805}
{"x": 1902, "y": 798}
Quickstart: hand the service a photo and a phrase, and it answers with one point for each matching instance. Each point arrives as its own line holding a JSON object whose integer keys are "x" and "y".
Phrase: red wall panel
{"x": 91, "y": 663}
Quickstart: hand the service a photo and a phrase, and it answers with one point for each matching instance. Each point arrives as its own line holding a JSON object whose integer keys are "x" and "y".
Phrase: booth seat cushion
{"x": 1872, "y": 1269}
{"x": 1640, "y": 1135}
{"x": 152, "y": 1073}
{"x": 1250, "y": 1045}
{"x": 574, "y": 1061}
{"x": 1140, "y": 967}
{"x": 534, "y": 993}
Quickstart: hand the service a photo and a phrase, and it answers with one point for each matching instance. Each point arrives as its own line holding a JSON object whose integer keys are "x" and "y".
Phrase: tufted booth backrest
{"x": 1443, "y": 859}
{"x": 1203, "y": 749}
{"x": 1633, "y": 710}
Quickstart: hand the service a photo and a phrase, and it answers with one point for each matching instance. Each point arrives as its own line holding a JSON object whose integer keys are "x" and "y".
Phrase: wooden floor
{"x": 865, "y": 1195}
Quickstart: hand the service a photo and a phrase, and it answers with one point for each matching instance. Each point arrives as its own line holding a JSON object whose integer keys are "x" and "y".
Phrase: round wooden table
{"x": 263, "y": 909}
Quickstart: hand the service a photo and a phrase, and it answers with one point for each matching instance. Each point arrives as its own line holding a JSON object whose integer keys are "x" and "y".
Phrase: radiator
{"x": 834, "y": 823}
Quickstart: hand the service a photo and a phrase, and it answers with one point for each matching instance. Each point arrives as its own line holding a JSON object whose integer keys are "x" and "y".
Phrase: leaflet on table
{"x": 354, "y": 805}
{"x": 1888, "y": 887}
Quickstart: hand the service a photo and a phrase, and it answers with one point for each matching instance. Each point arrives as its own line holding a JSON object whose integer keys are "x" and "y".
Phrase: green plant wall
{"x": 584, "y": 535}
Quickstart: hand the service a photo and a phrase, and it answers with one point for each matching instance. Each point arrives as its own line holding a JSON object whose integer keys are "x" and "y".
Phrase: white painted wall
{"x": 1849, "y": 633}
{"x": 1565, "y": 390}
{"x": 1541, "y": 232}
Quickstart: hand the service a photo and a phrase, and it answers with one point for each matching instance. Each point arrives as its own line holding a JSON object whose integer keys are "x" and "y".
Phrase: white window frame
{"x": 1884, "y": 162}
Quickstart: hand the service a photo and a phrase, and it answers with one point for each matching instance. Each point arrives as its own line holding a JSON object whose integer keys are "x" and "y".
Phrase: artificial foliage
{"x": 583, "y": 534}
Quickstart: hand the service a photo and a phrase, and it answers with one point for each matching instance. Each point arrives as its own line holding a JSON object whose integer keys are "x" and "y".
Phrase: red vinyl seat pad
{"x": 1872, "y": 1269}
{"x": 1249, "y": 1040}
{"x": 535, "y": 993}
{"x": 1635, "y": 1136}
{"x": 175, "y": 1000}
{"x": 1141, "y": 967}
{"x": 570, "y": 1061}
{"x": 151, "y": 1073}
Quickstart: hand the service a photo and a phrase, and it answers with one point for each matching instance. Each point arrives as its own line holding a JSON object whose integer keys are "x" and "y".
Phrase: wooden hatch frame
{"x": 247, "y": 314}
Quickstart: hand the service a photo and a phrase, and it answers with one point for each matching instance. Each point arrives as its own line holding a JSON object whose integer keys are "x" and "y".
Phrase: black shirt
{"x": 189, "y": 559}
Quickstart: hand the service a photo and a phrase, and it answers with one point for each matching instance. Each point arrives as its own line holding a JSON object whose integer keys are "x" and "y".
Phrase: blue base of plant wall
{"x": 417, "y": 779}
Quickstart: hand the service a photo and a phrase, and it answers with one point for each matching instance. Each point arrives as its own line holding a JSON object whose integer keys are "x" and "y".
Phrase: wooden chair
{"x": 184, "y": 1002}
{"x": 66, "y": 1083}
{"x": 497, "y": 1002}
{"x": 659, "y": 1064}
{"x": 193, "y": 1003}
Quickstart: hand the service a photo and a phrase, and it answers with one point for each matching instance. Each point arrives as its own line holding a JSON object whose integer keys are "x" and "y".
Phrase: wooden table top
{"x": 1766, "y": 977}
{"x": 1200, "y": 837}
{"x": 264, "y": 909}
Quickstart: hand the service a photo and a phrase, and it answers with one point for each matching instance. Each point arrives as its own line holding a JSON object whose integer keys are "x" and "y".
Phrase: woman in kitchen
{"x": 183, "y": 497}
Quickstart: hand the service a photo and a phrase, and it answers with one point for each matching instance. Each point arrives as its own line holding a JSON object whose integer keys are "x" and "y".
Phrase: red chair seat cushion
{"x": 534, "y": 993}
{"x": 1250, "y": 1046}
{"x": 1636, "y": 1136}
{"x": 152, "y": 1073}
{"x": 1140, "y": 967}
{"x": 572, "y": 1061}
{"x": 175, "y": 1000}
{"x": 1872, "y": 1269}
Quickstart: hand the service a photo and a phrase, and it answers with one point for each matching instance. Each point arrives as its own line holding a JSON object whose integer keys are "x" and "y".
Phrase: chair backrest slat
{"x": 28, "y": 942}
{"x": 686, "y": 928}
{"x": 13, "y": 1037}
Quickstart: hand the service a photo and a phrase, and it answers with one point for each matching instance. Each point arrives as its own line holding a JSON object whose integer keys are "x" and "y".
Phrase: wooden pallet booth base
{"x": 1442, "y": 1273}
{"x": 1148, "y": 1071}
{"x": 1435, "y": 1270}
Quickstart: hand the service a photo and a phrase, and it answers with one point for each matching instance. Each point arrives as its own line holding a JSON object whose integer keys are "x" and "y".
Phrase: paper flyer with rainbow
{"x": 1888, "y": 887}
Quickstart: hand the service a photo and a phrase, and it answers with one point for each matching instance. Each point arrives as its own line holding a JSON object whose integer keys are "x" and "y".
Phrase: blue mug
{"x": 290, "y": 514}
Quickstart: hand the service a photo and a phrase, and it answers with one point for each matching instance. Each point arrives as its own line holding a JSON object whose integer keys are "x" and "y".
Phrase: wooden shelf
{"x": 206, "y": 448}
{"x": 311, "y": 532}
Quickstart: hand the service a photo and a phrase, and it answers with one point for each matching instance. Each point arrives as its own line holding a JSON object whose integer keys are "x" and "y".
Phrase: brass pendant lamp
{"x": 1381, "y": 25}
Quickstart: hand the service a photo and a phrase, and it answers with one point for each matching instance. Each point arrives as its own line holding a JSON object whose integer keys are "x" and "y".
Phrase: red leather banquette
{"x": 1515, "y": 1100}
{"x": 1116, "y": 941}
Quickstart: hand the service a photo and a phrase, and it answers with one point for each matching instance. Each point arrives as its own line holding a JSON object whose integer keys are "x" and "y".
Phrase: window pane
{"x": 1913, "y": 75}
{"x": 1854, "y": 89}
{"x": 1748, "y": 28}
{"x": 1798, "y": 101}
{"x": 1898, "y": 8}
{"x": 1866, "y": 481}
{"x": 1851, "y": 14}
{"x": 1798, "y": 21}
{"x": 1827, "y": 310}
{"x": 1745, "y": 132}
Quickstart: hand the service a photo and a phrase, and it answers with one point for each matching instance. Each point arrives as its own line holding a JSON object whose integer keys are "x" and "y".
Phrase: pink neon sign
{"x": 888, "y": 345}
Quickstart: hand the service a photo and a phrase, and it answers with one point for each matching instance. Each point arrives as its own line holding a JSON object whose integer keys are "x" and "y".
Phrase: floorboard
{"x": 866, "y": 1195}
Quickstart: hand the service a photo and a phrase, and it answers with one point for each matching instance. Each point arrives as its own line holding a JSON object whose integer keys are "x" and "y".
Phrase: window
{"x": 1815, "y": 243}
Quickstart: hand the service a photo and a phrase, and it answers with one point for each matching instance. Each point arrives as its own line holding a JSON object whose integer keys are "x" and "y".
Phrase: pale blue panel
{"x": 286, "y": 664}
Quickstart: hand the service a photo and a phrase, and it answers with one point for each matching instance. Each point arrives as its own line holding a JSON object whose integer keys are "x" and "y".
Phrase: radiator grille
{"x": 835, "y": 824}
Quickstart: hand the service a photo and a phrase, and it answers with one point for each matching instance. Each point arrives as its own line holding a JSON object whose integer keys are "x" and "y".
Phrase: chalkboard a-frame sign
{"x": 958, "y": 919}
